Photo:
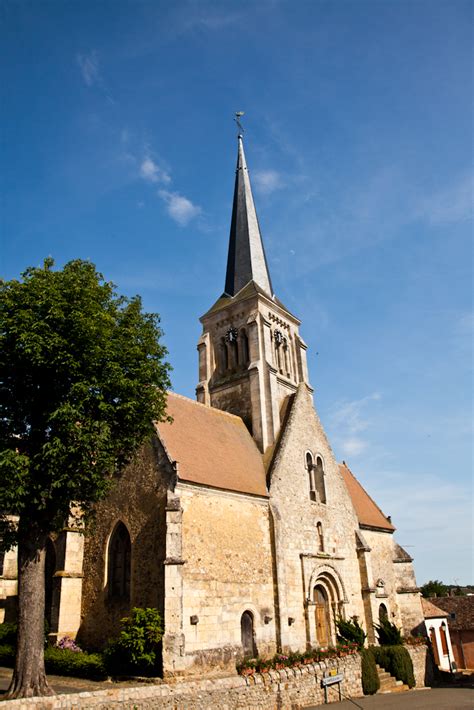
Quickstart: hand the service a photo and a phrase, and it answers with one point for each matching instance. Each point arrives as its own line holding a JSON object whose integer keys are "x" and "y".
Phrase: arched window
{"x": 243, "y": 348}
{"x": 434, "y": 645}
{"x": 383, "y": 613}
{"x": 444, "y": 640}
{"x": 319, "y": 529}
{"x": 248, "y": 635}
{"x": 223, "y": 356}
{"x": 233, "y": 354}
{"x": 119, "y": 563}
{"x": 310, "y": 469}
{"x": 319, "y": 480}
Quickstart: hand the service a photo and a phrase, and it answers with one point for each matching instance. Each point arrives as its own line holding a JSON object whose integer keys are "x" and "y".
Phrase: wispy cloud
{"x": 179, "y": 207}
{"x": 425, "y": 539}
{"x": 267, "y": 181}
{"x": 89, "y": 66}
{"x": 218, "y": 21}
{"x": 349, "y": 419}
{"x": 451, "y": 204}
{"x": 152, "y": 172}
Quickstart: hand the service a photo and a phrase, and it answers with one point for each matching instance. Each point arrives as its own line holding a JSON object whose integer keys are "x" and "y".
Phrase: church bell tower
{"x": 251, "y": 356}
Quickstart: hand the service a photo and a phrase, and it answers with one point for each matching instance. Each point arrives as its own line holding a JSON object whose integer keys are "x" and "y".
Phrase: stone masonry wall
{"x": 423, "y": 667}
{"x": 287, "y": 689}
{"x": 138, "y": 500}
{"x": 227, "y": 570}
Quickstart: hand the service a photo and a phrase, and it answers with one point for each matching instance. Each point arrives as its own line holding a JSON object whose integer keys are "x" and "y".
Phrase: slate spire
{"x": 246, "y": 260}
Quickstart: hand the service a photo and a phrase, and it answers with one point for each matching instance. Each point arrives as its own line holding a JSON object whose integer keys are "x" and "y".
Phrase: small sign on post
{"x": 331, "y": 679}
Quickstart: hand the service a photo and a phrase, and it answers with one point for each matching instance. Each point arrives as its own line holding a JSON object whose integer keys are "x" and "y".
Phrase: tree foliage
{"x": 350, "y": 630}
{"x": 136, "y": 651}
{"x": 388, "y": 634}
{"x": 434, "y": 588}
{"x": 82, "y": 376}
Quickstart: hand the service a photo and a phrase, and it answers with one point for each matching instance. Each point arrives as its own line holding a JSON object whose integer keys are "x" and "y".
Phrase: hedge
{"x": 63, "y": 662}
{"x": 397, "y": 661}
{"x": 7, "y": 634}
{"x": 60, "y": 661}
{"x": 370, "y": 677}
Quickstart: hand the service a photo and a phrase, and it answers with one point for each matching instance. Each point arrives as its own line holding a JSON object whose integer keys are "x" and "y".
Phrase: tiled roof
{"x": 430, "y": 611}
{"x": 212, "y": 447}
{"x": 367, "y": 511}
{"x": 460, "y": 611}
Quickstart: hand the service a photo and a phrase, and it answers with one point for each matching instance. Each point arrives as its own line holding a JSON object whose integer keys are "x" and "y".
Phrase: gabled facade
{"x": 237, "y": 521}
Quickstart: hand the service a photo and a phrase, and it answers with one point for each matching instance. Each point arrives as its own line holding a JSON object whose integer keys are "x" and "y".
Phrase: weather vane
{"x": 238, "y": 116}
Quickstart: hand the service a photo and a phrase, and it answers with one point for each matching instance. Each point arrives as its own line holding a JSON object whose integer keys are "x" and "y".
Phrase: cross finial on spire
{"x": 238, "y": 116}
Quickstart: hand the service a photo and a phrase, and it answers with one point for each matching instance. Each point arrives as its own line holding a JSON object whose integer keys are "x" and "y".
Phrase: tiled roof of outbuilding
{"x": 212, "y": 448}
{"x": 460, "y": 611}
{"x": 367, "y": 511}
{"x": 430, "y": 611}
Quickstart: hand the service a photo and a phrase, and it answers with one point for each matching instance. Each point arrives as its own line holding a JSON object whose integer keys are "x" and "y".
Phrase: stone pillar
{"x": 311, "y": 611}
{"x": 173, "y": 640}
{"x": 68, "y": 584}
{"x": 9, "y": 587}
{"x": 205, "y": 369}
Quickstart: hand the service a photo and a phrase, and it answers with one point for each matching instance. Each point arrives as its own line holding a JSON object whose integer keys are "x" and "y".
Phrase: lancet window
{"x": 319, "y": 530}
{"x": 119, "y": 563}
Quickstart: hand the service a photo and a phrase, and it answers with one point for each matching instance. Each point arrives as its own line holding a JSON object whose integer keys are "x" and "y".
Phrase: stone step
{"x": 389, "y": 684}
{"x": 396, "y": 689}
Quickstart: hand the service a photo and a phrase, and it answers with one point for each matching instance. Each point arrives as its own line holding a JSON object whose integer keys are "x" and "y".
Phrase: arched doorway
{"x": 248, "y": 635}
{"x": 322, "y": 615}
{"x": 383, "y": 613}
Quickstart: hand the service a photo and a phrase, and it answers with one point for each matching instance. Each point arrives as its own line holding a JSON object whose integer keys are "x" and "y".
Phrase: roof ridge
{"x": 368, "y": 495}
{"x": 207, "y": 407}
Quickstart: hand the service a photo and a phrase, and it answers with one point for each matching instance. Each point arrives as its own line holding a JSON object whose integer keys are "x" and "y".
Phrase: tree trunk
{"x": 29, "y": 677}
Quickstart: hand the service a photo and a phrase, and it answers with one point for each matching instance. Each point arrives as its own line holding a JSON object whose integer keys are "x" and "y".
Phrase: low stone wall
{"x": 287, "y": 689}
{"x": 423, "y": 667}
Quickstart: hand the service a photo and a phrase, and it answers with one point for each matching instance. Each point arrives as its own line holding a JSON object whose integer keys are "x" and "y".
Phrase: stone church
{"x": 235, "y": 520}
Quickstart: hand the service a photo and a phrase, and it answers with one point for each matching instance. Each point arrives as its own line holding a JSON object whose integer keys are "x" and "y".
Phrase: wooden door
{"x": 322, "y": 617}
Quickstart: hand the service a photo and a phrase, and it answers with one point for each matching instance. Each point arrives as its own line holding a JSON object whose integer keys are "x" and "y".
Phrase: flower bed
{"x": 294, "y": 659}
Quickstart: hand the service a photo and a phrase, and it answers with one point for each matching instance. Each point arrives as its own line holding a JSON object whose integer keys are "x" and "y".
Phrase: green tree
{"x": 434, "y": 588}
{"x": 350, "y": 630}
{"x": 388, "y": 634}
{"x": 82, "y": 377}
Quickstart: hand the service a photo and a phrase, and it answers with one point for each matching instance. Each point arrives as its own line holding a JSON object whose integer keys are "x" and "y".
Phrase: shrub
{"x": 350, "y": 630}
{"x": 59, "y": 661}
{"x": 63, "y": 662}
{"x": 388, "y": 634}
{"x": 370, "y": 677}
{"x": 8, "y": 634}
{"x": 397, "y": 661}
{"x": 7, "y": 655}
{"x": 68, "y": 644}
{"x": 136, "y": 651}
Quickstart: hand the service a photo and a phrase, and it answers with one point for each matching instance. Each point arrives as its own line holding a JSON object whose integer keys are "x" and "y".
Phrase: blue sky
{"x": 118, "y": 146}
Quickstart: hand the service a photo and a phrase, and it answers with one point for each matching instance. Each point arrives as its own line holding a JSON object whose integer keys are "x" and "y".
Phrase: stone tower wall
{"x": 298, "y": 557}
